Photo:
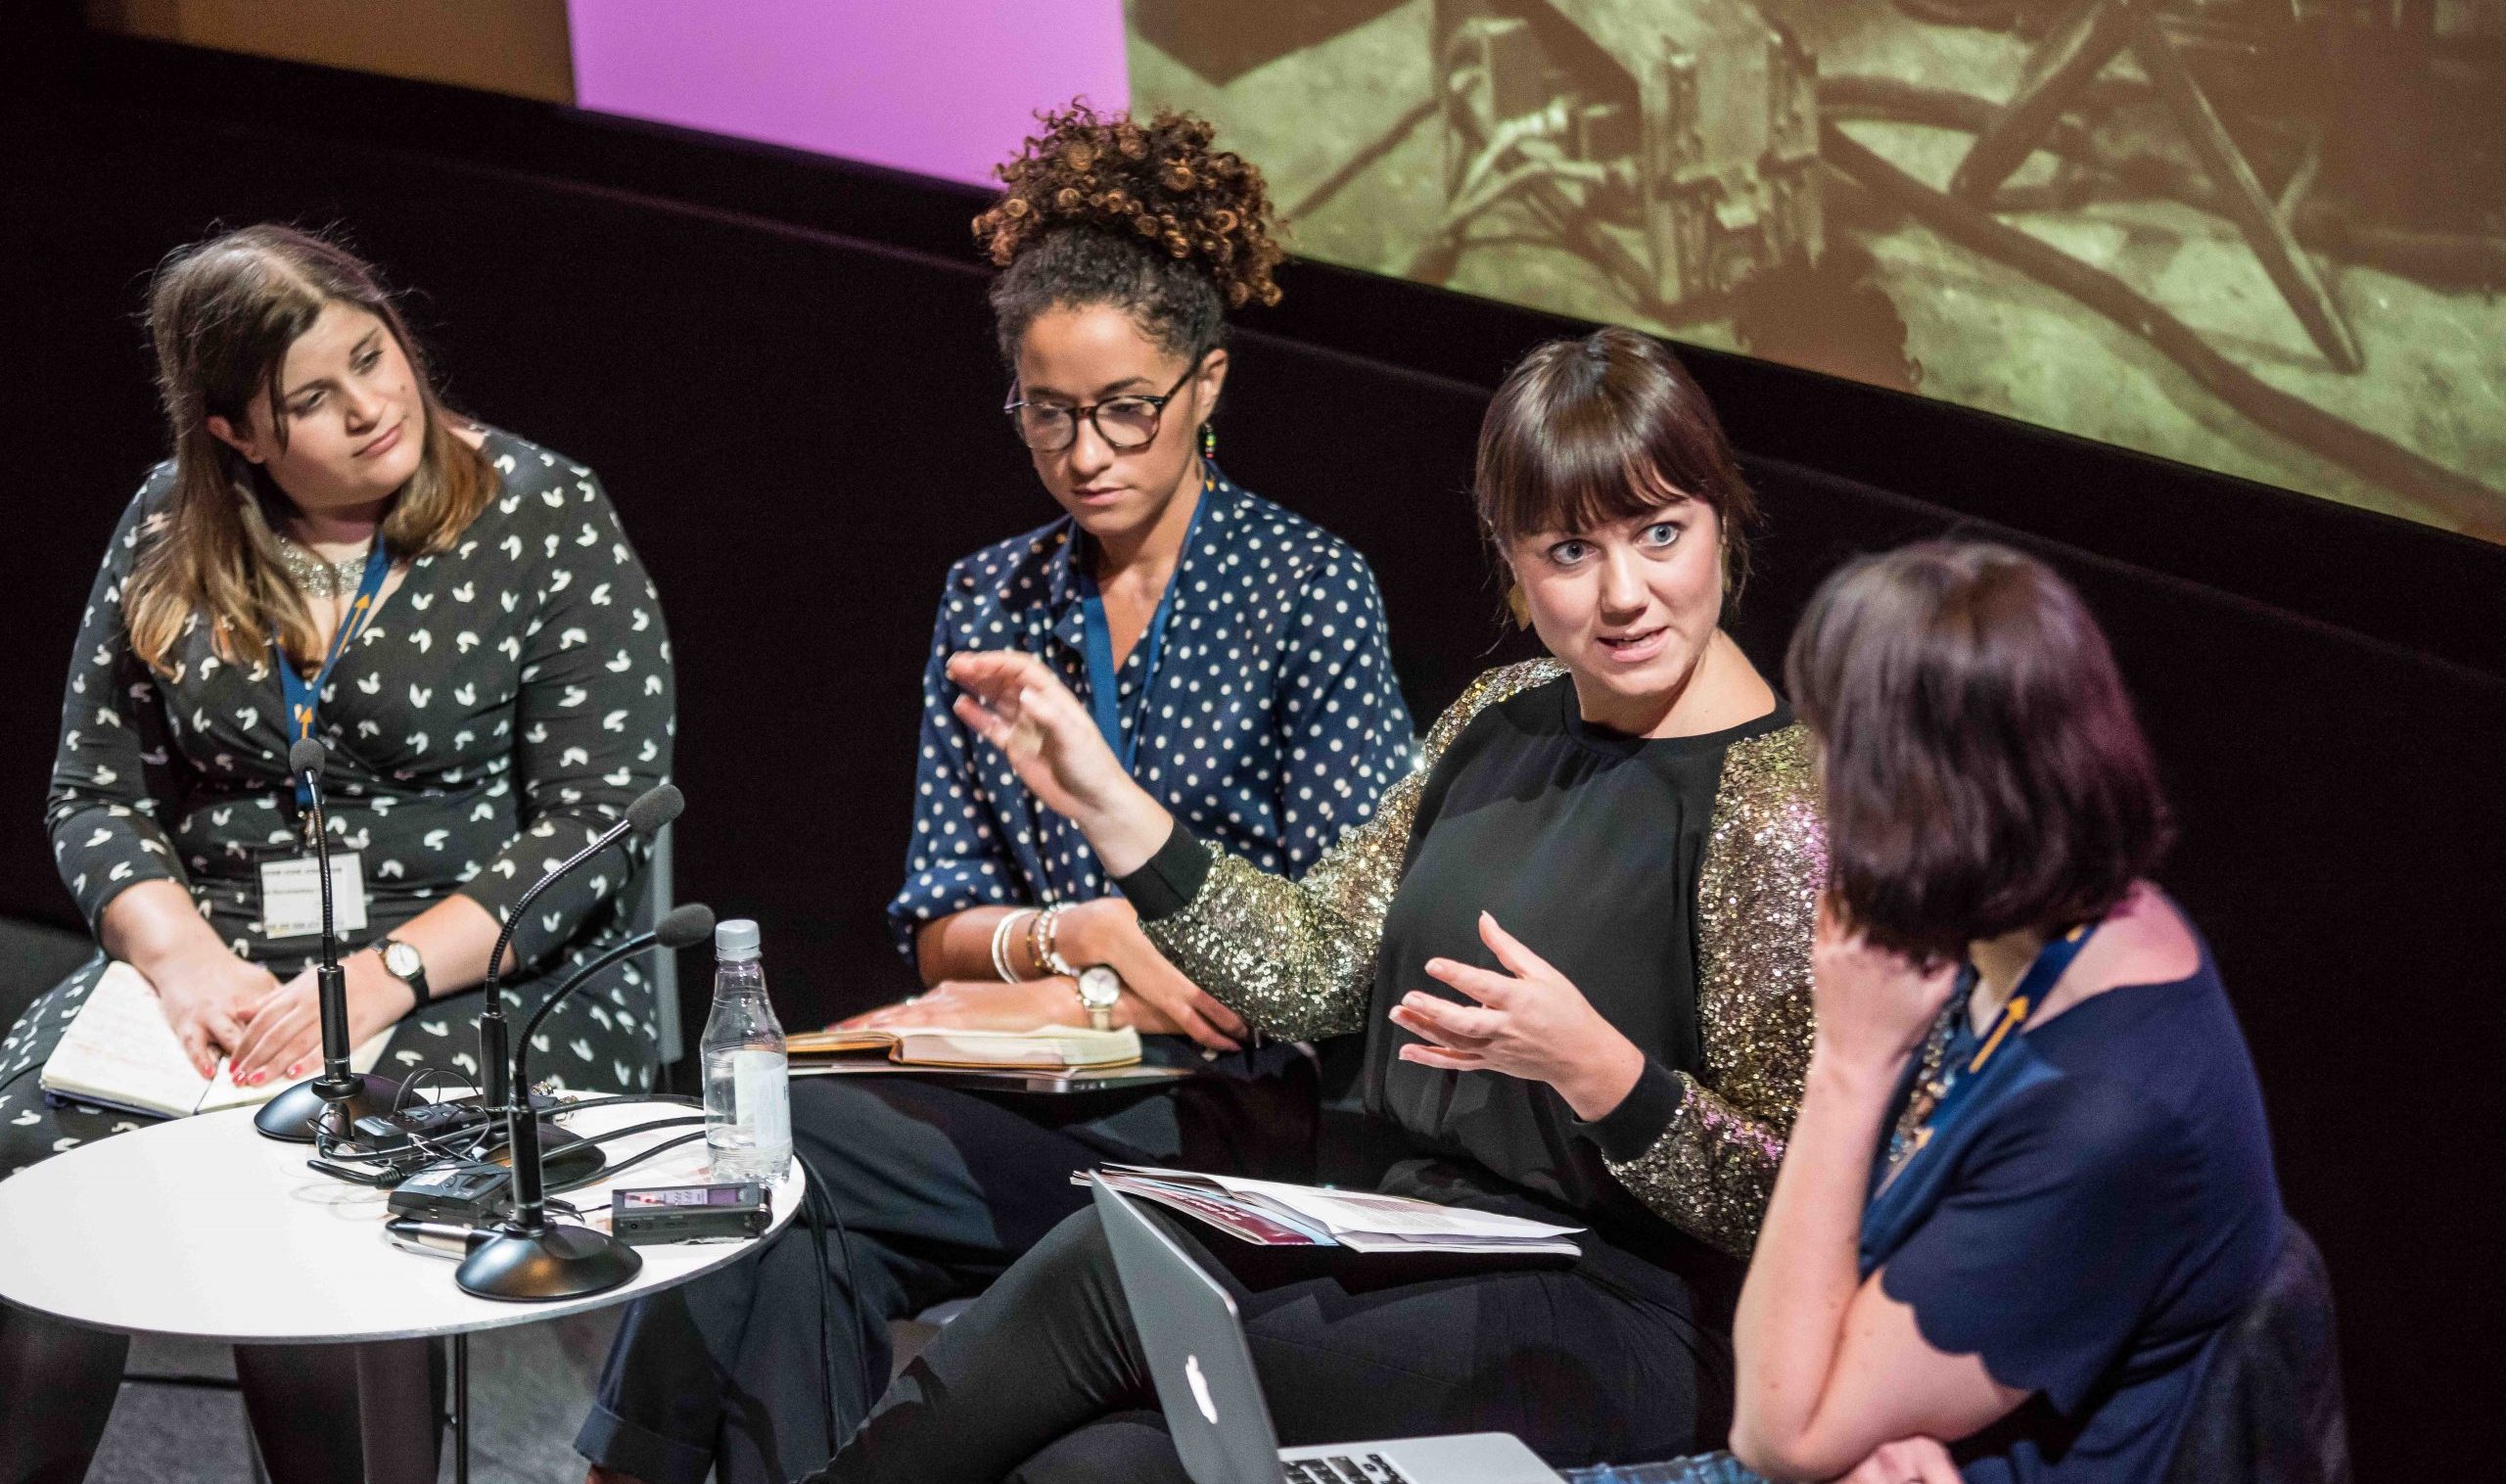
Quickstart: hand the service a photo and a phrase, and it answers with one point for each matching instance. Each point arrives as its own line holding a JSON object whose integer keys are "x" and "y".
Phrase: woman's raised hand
{"x": 1014, "y": 702}
{"x": 1872, "y": 1005}
{"x": 1529, "y": 1022}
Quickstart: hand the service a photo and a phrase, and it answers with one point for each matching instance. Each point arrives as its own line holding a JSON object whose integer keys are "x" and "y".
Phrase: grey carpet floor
{"x": 529, "y": 1387}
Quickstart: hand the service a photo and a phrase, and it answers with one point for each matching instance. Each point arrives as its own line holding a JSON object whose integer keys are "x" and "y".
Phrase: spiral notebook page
{"x": 120, "y": 1053}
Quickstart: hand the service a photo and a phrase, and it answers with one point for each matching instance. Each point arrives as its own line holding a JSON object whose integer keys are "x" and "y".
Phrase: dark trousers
{"x": 1043, "y": 1380}
{"x": 940, "y": 1191}
{"x": 303, "y": 1404}
{"x": 58, "y": 1382}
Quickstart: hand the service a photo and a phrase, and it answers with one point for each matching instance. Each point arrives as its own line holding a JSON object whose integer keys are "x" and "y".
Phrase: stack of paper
{"x": 1270, "y": 1214}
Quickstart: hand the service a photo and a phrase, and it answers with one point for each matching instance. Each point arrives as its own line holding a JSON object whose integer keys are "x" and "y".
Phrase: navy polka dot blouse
{"x": 1271, "y": 722}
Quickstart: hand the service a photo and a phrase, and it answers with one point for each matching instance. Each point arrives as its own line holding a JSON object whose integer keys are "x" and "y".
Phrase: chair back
{"x": 2268, "y": 1409}
{"x": 653, "y": 903}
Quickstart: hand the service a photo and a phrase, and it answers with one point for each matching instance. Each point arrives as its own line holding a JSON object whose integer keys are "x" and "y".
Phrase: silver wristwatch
{"x": 401, "y": 962}
{"x": 1099, "y": 990}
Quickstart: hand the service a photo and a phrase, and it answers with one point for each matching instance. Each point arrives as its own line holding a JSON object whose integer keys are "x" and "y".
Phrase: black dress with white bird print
{"x": 507, "y": 702}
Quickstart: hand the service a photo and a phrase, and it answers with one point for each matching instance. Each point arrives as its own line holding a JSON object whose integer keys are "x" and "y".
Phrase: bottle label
{"x": 762, "y": 1092}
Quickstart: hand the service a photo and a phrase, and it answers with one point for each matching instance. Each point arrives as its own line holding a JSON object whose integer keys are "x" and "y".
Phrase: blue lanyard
{"x": 305, "y": 697}
{"x": 1971, "y": 1052}
{"x": 1105, "y": 683}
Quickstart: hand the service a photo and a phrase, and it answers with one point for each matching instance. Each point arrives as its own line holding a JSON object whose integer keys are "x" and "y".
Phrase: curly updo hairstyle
{"x": 1145, "y": 217}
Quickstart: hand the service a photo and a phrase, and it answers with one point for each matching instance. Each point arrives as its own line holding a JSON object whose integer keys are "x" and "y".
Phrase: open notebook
{"x": 1051, "y": 1047}
{"x": 122, "y": 1053}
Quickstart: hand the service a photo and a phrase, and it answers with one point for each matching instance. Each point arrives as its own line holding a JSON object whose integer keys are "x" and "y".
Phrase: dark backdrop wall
{"x": 783, "y": 369}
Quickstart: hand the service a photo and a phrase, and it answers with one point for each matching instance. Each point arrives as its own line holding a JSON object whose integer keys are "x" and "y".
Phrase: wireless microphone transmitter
{"x": 463, "y": 1193}
{"x": 689, "y": 1213}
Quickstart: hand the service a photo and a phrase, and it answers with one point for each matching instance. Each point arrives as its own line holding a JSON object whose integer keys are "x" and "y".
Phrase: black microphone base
{"x": 553, "y": 1263}
{"x": 565, "y": 1159}
{"x": 298, "y": 1113}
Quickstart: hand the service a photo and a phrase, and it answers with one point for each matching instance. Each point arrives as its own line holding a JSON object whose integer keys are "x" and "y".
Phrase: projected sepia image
{"x": 2263, "y": 235}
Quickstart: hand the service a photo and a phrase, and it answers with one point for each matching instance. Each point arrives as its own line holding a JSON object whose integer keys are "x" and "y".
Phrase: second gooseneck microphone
{"x": 531, "y": 1257}
{"x": 656, "y": 807}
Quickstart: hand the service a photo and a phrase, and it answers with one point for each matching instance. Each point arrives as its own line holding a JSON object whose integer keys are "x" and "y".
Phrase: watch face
{"x": 401, "y": 959}
{"x": 1099, "y": 987}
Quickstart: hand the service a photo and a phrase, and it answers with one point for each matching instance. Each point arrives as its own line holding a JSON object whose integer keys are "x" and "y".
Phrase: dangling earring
{"x": 1209, "y": 441}
{"x": 1518, "y": 605}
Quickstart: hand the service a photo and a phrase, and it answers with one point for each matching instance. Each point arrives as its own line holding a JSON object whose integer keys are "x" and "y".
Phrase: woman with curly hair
{"x": 1231, "y": 655}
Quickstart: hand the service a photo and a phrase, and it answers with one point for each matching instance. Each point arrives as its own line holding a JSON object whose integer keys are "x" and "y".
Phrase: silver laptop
{"x": 1213, "y": 1400}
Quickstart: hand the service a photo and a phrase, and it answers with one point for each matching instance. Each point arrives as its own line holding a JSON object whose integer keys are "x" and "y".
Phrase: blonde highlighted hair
{"x": 222, "y": 314}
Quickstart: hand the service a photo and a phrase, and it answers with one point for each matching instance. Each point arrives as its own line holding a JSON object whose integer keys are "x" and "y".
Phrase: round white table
{"x": 201, "y": 1228}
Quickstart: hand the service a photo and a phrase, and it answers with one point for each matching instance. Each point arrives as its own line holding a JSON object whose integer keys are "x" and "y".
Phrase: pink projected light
{"x": 941, "y": 87}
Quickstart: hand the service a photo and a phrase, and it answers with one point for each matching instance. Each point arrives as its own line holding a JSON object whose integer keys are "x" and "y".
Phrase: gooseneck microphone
{"x": 528, "y": 1258}
{"x": 654, "y": 808}
{"x": 340, "y": 1096}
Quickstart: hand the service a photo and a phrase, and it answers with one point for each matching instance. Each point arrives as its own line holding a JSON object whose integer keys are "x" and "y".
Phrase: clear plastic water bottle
{"x": 748, "y": 1089}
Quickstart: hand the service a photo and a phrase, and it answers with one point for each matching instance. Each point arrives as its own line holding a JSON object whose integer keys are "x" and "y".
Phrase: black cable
{"x": 445, "y": 1149}
{"x": 606, "y": 1171}
{"x": 819, "y": 1191}
{"x": 810, "y": 1209}
{"x": 642, "y": 1128}
{"x": 399, "y": 1099}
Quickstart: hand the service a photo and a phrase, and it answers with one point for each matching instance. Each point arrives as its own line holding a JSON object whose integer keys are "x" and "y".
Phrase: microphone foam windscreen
{"x": 687, "y": 925}
{"x": 307, "y": 755}
{"x": 656, "y": 807}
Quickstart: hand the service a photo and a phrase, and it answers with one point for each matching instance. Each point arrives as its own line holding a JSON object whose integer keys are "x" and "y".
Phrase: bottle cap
{"x": 735, "y": 939}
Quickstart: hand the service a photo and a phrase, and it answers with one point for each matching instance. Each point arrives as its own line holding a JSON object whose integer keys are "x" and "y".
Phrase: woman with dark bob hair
{"x": 2030, "y": 1182}
{"x": 455, "y": 614}
{"x": 1576, "y": 944}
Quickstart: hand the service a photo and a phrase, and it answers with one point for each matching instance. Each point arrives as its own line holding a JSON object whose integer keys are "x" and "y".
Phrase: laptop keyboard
{"x": 1374, "y": 1468}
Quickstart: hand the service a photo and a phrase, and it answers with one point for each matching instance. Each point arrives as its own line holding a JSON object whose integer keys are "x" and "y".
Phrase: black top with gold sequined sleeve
{"x": 1672, "y": 879}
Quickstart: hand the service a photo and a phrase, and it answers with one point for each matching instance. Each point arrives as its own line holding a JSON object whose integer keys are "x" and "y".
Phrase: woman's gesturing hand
{"x": 1872, "y": 1005}
{"x": 1528, "y": 1022}
{"x": 1013, "y": 701}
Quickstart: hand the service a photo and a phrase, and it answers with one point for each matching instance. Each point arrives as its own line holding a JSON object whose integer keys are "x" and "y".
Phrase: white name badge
{"x": 292, "y": 895}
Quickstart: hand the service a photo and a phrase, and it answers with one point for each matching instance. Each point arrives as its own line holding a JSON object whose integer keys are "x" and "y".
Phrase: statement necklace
{"x": 1930, "y": 1083}
{"x": 321, "y": 577}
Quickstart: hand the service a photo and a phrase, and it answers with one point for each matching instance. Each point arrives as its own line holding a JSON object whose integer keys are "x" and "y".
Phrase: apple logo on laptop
{"x": 1200, "y": 1388}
